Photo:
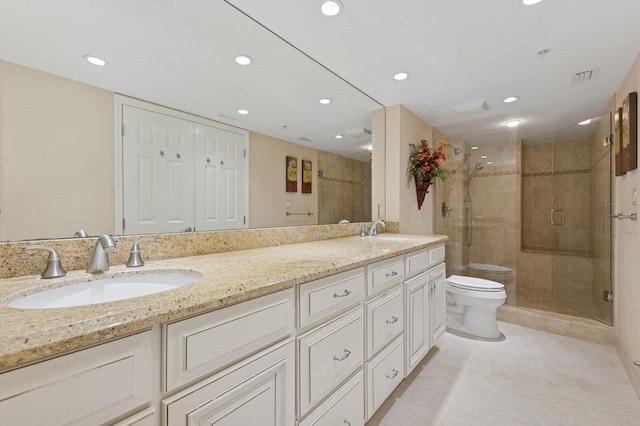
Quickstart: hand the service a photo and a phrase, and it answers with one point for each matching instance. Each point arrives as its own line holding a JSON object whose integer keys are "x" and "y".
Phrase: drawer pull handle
{"x": 345, "y": 294}
{"x": 393, "y": 320}
{"x": 347, "y": 352}
{"x": 393, "y": 376}
{"x": 392, "y": 274}
{"x": 347, "y": 422}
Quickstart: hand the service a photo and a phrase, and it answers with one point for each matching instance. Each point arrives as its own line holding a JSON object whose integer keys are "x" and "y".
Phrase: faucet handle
{"x": 54, "y": 267}
{"x": 135, "y": 259}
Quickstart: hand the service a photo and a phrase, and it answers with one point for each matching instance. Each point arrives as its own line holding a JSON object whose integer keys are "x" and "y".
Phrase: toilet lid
{"x": 472, "y": 283}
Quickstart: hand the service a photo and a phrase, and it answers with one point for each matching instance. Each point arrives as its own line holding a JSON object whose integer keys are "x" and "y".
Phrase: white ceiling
{"x": 459, "y": 52}
{"x": 180, "y": 54}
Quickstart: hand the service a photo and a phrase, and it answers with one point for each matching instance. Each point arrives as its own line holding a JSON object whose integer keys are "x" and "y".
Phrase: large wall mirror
{"x": 58, "y": 126}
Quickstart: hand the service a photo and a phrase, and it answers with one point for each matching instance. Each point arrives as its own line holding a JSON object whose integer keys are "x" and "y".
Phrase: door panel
{"x": 157, "y": 172}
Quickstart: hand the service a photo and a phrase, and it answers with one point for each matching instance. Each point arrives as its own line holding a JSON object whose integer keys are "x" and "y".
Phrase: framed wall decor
{"x": 630, "y": 132}
{"x": 617, "y": 140}
{"x": 307, "y": 176}
{"x": 292, "y": 174}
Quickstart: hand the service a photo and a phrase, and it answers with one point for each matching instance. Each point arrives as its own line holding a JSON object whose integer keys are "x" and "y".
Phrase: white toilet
{"x": 471, "y": 307}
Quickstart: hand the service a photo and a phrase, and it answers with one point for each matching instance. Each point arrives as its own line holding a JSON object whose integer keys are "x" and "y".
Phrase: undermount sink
{"x": 101, "y": 290}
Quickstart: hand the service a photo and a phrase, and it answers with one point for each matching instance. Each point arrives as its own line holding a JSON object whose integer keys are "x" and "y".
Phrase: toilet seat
{"x": 474, "y": 284}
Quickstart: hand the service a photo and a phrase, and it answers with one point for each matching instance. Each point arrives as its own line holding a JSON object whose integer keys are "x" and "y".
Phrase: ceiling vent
{"x": 473, "y": 108}
{"x": 361, "y": 131}
{"x": 585, "y": 76}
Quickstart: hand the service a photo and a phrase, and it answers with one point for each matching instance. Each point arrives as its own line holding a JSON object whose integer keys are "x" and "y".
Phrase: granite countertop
{"x": 29, "y": 335}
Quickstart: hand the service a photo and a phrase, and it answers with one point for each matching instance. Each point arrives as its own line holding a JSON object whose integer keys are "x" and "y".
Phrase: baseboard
{"x": 629, "y": 368}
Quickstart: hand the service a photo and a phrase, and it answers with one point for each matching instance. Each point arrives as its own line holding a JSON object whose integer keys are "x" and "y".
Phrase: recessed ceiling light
{"x": 243, "y": 112}
{"x": 339, "y": 136}
{"x": 483, "y": 156}
{"x": 401, "y": 76}
{"x": 585, "y": 122}
{"x": 243, "y": 60}
{"x": 331, "y": 7}
{"x": 475, "y": 147}
{"x": 530, "y": 2}
{"x": 489, "y": 163}
{"x": 510, "y": 99}
{"x": 325, "y": 101}
{"x": 513, "y": 123}
{"x": 95, "y": 60}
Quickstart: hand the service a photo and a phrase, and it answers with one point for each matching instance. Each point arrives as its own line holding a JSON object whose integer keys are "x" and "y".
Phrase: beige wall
{"x": 403, "y": 128}
{"x": 627, "y": 247}
{"x": 44, "y": 117}
{"x": 267, "y": 196}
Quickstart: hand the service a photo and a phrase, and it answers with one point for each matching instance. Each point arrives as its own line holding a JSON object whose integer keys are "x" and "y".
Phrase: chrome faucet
{"x": 373, "y": 230}
{"x": 99, "y": 261}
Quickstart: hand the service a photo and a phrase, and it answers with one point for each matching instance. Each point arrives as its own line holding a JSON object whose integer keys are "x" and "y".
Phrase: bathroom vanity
{"x": 312, "y": 333}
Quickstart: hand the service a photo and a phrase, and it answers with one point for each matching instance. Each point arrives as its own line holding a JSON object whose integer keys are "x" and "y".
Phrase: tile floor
{"x": 531, "y": 378}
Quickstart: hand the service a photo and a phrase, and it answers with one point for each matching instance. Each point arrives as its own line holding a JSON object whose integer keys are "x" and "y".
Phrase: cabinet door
{"x": 257, "y": 391}
{"x": 88, "y": 387}
{"x": 418, "y": 316}
{"x": 220, "y": 180}
{"x": 438, "y": 302}
{"x": 157, "y": 161}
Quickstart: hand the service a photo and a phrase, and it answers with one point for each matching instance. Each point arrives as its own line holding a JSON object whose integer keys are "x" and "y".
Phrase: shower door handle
{"x": 553, "y": 222}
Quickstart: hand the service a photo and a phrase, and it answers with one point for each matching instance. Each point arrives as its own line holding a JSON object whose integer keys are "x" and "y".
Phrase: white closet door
{"x": 220, "y": 179}
{"x": 158, "y": 172}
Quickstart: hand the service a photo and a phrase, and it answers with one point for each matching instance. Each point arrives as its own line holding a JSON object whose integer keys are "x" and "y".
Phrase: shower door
{"x": 582, "y": 159}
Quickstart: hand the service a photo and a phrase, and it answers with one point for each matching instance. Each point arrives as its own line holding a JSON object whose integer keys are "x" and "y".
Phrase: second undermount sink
{"x": 119, "y": 287}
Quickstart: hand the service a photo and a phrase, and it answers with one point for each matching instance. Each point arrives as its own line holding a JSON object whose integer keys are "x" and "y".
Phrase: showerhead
{"x": 477, "y": 167}
{"x": 456, "y": 150}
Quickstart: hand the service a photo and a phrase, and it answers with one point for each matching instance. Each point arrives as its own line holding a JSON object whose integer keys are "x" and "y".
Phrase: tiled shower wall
{"x": 344, "y": 189}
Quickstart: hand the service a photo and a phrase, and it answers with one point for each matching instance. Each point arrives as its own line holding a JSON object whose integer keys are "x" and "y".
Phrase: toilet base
{"x": 472, "y": 337}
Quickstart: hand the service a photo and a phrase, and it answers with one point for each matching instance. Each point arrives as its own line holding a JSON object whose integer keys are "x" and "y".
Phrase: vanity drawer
{"x": 417, "y": 262}
{"x": 88, "y": 387}
{"x": 323, "y": 298}
{"x": 328, "y": 355}
{"x": 344, "y": 407}
{"x": 384, "y": 374}
{"x": 384, "y": 274}
{"x": 385, "y": 320}
{"x": 200, "y": 345}
{"x": 436, "y": 255}
{"x": 420, "y": 260}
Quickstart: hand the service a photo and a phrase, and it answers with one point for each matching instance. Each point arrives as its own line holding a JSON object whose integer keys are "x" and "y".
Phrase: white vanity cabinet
{"x": 385, "y": 316}
{"x": 256, "y": 391}
{"x": 425, "y": 303}
{"x": 89, "y": 387}
{"x": 249, "y": 347}
{"x": 200, "y": 345}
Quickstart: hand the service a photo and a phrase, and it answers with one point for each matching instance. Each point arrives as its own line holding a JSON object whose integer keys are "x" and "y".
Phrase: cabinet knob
{"x": 161, "y": 153}
{"x": 393, "y": 320}
{"x": 345, "y": 294}
{"x": 392, "y": 274}
{"x": 394, "y": 374}
{"x": 347, "y": 422}
{"x": 347, "y": 352}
